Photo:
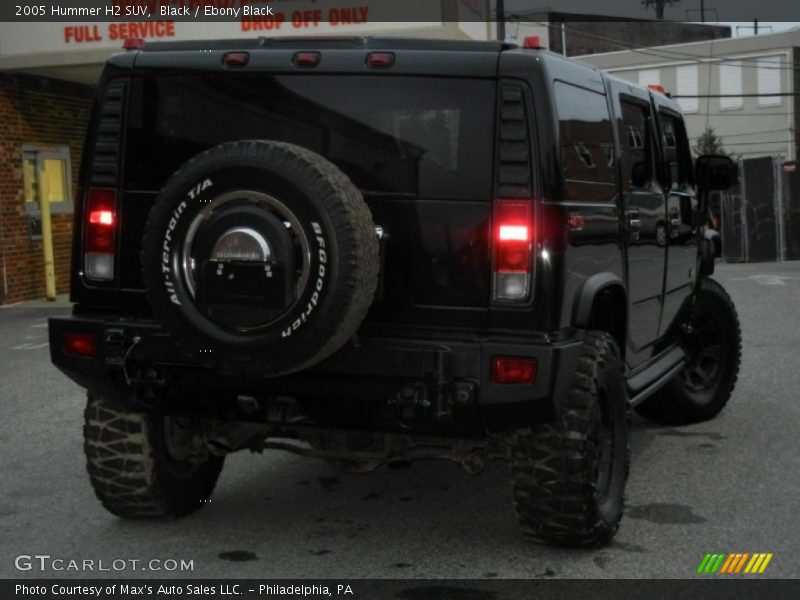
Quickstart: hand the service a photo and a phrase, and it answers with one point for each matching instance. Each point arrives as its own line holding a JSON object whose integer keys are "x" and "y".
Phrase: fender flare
{"x": 710, "y": 250}
{"x": 713, "y": 236}
{"x": 584, "y": 299}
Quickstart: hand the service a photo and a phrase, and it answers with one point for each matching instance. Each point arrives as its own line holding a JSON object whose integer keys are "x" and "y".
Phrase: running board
{"x": 643, "y": 385}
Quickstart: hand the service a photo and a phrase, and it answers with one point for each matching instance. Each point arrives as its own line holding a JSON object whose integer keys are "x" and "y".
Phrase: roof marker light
{"x": 133, "y": 44}
{"x": 307, "y": 59}
{"x": 236, "y": 59}
{"x": 380, "y": 60}
{"x": 532, "y": 42}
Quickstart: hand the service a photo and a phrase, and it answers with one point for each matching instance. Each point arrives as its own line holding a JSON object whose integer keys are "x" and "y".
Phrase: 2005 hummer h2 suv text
{"x": 379, "y": 250}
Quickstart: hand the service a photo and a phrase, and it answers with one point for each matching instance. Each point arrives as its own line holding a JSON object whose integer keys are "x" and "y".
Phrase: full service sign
{"x": 60, "y": 25}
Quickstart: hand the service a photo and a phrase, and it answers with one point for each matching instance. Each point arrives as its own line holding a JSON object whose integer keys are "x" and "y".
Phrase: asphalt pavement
{"x": 729, "y": 485}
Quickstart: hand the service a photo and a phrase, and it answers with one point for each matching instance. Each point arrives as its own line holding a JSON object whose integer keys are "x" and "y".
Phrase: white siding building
{"x": 744, "y": 88}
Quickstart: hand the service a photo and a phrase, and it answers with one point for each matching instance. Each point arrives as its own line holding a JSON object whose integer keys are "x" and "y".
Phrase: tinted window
{"x": 677, "y": 153}
{"x": 637, "y": 168}
{"x": 587, "y": 144}
{"x": 410, "y": 136}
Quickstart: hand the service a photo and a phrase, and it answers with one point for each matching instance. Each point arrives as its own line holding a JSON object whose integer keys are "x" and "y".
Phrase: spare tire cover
{"x": 260, "y": 258}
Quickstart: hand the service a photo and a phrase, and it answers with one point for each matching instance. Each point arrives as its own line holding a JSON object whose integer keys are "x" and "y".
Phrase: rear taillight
{"x": 80, "y": 344}
{"x": 99, "y": 242}
{"x": 513, "y": 243}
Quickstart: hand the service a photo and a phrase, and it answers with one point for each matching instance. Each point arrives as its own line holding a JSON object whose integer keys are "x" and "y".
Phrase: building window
{"x": 47, "y": 173}
{"x": 687, "y": 79}
{"x": 769, "y": 80}
{"x": 730, "y": 85}
{"x": 649, "y": 76}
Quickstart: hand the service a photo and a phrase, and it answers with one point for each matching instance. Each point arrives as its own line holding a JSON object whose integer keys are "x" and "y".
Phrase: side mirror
{"x": 716, "y": 173}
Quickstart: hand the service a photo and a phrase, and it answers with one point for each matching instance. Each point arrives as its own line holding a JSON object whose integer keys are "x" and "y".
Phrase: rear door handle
{"x": 635, "y": 224}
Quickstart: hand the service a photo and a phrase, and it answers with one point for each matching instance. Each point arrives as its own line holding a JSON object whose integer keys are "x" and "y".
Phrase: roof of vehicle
{"x": 415, "y": 56}
{"x": 332, "y": 42}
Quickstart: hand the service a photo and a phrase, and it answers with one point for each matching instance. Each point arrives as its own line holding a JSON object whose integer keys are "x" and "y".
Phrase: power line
{"x": 751, "y": 133}
{"x": 740, "y": 114}
{"x": 775, "y": 95}
{"x": 763, "y": 143}
{"x": 758, "y": 152}
{"x": 663, "y": 53}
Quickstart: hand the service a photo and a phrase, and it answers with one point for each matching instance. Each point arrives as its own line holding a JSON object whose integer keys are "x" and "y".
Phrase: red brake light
{"x": 101, "y": 220}
{"x": 307, "y": 59}
{"x": 80, "y": 344}
{"x": 101, "y": 217}
{"x": 513, "y": 233}
{"x": 513, "y": 370}
{"x": 380, "y": 60}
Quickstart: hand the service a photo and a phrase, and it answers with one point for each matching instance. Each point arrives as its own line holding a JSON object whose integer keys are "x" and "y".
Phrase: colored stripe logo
{"x": 735, "y": 563}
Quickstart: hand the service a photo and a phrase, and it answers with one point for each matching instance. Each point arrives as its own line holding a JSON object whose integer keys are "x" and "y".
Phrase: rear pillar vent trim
{"x": 108, "y": 141}
{"x": 514, "y": 159}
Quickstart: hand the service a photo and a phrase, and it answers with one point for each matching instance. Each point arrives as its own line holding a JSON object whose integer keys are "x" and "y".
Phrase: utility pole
{"x": 702, "y": 11}
{"x": 501, "y": 20}
{"x": 659, "y": 5}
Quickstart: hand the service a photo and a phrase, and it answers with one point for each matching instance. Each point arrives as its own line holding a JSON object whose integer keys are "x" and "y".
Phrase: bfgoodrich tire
{"x": 144, "y": 465}
{"x": 260, "y": 258}
{"x": 713, "y": 346}
{"x": 568, "y": 476}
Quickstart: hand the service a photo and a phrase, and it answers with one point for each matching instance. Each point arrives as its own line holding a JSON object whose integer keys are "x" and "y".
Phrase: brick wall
{"x": 43, "y": 112}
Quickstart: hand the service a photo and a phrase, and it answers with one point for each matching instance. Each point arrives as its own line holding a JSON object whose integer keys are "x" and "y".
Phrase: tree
{"x": 709, "y": 143}
{"x": 659, "y": 4}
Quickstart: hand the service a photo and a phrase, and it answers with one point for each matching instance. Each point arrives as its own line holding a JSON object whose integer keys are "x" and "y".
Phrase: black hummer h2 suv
{"x": 379, "y": 250}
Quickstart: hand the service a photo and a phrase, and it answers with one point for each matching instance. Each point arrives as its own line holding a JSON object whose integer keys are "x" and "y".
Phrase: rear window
{"x": 406, "y": 136}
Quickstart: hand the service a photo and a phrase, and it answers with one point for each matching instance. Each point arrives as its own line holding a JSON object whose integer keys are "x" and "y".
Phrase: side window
{"x": 587, "y": 144}
{"x": 677, "y": 152}
{"x": 637, "y": 159}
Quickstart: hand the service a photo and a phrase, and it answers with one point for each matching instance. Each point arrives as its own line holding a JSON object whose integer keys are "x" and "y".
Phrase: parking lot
{"x": 730, "y": 485}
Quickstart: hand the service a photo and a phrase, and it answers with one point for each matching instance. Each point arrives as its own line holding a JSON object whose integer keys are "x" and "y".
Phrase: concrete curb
{"x": 61, "y": 301}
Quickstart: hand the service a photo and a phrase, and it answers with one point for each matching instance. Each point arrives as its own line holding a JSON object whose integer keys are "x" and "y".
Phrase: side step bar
{"x": 646, "y": 383}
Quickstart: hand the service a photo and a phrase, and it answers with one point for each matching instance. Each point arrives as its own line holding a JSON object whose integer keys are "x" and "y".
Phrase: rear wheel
{"x": 568, "y": 476}
{"x": 713, "y": 345}
{"x": 144, "y": 465}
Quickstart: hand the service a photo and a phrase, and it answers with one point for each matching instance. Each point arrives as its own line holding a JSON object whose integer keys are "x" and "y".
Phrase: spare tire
{"x": 260, "y": 258}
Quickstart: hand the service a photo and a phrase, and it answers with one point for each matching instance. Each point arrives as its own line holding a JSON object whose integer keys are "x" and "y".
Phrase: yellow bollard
{"x": 47, "y": 246}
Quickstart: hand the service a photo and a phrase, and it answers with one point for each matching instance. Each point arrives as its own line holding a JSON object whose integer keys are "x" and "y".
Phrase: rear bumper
{"x": 372, "y": 368}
